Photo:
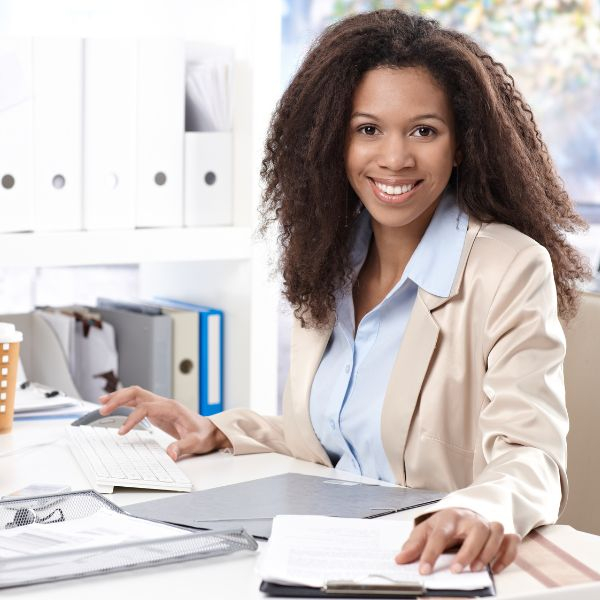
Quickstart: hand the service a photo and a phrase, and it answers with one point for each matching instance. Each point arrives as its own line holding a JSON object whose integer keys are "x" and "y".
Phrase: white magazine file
{"x": 16, "y": 141}
{"x": 109, "y": 132}
{"x": 160, "y": 128}
{"x": 57, "y": 133}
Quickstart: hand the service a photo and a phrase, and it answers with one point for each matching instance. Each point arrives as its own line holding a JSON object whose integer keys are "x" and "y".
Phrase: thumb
{"x": 186, "y": 445}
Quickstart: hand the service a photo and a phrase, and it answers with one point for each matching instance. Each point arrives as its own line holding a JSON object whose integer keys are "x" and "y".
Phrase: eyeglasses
{"x": 27, "y": 516}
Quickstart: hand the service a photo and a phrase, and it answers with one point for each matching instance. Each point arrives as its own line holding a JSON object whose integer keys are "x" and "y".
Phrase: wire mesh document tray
{"x": 35, "y": 531}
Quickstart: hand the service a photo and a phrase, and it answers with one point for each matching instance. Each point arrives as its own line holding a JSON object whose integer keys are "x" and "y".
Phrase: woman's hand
{"x": 481, "y": 542}
{"x": 195, "y": 434}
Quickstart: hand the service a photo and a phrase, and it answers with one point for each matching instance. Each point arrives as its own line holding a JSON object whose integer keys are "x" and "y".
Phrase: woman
{"x": 422, "y": 232}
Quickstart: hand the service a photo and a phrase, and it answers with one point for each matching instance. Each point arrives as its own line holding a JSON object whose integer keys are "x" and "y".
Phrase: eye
{"x": 424, "y": 131}
{"x": 368, "y": 129}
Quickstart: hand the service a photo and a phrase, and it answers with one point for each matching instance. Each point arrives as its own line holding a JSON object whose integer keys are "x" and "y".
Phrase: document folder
{"x": 53, "y": 510}
{"x": 327, "y": 557}
{"x": 350, "y": 589}
{"x": 145, "y": 347}
{"x": 210, "y": 353}
{"x": 253, "y": 504}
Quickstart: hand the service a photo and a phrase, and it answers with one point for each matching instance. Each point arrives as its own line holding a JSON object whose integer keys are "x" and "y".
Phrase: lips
{"x": 394, "y": 192}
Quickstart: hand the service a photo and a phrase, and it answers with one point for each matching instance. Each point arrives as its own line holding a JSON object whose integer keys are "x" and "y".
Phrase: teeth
{"x": 395, "y": 190}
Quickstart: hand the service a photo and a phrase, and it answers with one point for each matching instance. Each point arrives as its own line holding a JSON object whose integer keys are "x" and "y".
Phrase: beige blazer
{"x": 475, "y": 403}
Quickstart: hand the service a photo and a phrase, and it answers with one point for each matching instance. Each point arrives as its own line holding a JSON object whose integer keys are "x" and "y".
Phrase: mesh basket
{"x": 38, "y": 568}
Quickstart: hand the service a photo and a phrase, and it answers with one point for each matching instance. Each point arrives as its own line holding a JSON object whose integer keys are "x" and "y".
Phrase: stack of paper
{"x": 40, "y": 402}
{"x": 317, "y": 552}
{"x": 208, "y": 96}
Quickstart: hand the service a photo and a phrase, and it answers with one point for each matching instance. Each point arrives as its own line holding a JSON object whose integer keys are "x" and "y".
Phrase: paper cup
{"x": 10, "y": 341}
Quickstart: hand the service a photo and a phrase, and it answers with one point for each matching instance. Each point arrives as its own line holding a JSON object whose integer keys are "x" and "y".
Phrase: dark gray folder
{"x": 253, "y": 504}
{"x": 145, "y": 347}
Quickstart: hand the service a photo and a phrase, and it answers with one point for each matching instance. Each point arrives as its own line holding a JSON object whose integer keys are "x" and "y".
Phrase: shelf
{"x": 114, "y": 247}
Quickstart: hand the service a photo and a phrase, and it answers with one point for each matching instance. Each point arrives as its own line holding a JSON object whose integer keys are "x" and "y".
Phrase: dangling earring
{"x": 456, "y": 183}
{"x": 346, "y": 210}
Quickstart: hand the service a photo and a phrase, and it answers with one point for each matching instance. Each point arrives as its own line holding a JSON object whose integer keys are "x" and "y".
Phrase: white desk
{"x": 26, "y": 457}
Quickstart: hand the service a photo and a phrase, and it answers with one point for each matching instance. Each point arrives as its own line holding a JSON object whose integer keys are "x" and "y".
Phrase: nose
{"x": 395, "y": 153}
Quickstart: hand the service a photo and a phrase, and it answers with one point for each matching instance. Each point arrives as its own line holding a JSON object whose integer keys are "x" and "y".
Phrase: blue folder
{"x": 210, "y": 353}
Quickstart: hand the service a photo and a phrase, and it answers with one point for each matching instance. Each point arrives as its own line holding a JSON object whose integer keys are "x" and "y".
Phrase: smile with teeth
{"x": 394, "y": 190}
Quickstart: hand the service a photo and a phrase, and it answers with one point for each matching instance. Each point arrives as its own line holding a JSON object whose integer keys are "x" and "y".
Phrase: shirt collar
{"x": 434, "y": 262}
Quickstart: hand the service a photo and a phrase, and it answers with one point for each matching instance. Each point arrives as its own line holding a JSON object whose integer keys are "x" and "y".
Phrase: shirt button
{"x": 347, "y": 368}
{"x": 332, "y": 423}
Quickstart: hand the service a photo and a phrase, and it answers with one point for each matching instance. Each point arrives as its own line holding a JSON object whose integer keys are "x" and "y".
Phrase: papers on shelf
{"x": 208, "y": 96}
{"x": 311, "y": 551}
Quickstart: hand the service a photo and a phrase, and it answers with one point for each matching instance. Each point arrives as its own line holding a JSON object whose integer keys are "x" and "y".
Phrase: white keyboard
{"x": 132, "y": 460}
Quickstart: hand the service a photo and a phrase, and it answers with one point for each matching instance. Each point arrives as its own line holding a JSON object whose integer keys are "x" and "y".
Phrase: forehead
{"x": 400, "y": 91}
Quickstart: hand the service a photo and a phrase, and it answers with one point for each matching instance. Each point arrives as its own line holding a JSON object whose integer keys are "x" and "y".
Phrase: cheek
{"x": 355, "y": 161}
{"x": 441, "y": 161}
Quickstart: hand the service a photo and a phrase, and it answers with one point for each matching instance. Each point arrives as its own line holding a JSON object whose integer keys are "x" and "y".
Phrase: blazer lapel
{"x": 405, "y": 383}
{"x": 412, "y": 363}
{"x": 308, "y": 347}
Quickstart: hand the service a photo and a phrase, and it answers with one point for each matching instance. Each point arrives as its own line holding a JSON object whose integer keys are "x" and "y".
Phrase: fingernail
{"x": 121, "y": 430}
{"x": 477, "y": 566}
{"x": 425, "y": 569}
{"x": 456, "y": 568}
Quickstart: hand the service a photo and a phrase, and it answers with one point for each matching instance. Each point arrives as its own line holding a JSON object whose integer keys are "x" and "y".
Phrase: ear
{"x": 457, "y": 158}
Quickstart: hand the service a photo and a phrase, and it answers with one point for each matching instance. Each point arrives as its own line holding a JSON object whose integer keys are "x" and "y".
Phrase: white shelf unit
{"x": 221, "y": 266}
{"x": 83, "y": 248}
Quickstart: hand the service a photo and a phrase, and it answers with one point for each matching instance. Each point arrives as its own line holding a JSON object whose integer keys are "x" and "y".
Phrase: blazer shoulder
{"x": 501, "y": 244}
{"x": 500, "y": 250}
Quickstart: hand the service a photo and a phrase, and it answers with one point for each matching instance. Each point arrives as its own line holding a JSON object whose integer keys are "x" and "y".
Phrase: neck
{"x": 392, "y": 247}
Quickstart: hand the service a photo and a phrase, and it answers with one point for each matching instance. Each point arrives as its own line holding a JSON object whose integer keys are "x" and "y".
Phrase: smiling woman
{"x": 422, "y": 234}
{"x": 401, "y": 147}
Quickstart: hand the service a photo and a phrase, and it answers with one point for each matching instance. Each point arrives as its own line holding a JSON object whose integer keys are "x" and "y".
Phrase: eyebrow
{"x": 415, "y": 118}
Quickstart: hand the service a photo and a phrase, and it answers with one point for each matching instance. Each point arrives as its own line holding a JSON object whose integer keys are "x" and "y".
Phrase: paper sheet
{"x": 102, "y": 528}
{"x": 33, "y": 399}
{"x": 208, "y": 96}
{"x": 311, "y": 550}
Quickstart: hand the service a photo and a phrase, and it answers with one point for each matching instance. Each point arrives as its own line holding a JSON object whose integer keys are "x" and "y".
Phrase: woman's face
{"x": 401, "y": 145}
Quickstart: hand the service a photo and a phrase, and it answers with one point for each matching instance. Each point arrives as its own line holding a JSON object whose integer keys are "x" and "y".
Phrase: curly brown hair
{"x": 506, "y": 173}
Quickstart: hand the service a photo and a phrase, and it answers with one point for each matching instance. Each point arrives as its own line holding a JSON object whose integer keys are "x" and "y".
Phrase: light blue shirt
{"x": 349, "y": 387}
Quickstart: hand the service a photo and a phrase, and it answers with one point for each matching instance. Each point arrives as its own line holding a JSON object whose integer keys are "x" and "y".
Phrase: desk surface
{"x": 36, "y": 452}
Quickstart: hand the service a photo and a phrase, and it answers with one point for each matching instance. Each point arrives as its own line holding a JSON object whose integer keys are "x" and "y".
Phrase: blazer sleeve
{"x": 250, "y": 432}
{"x": 521, "y": 457}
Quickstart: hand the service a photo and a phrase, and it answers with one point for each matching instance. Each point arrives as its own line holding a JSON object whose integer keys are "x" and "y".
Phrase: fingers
{"x": 507, "y": 552}
{"x": 441, "y": 537}
{"x": 189, "y": 444}
{"x": 129, "y": 396}
{"x": 412, "y": 548}
{"x": 481, "y": 542}
{"x": 140, "y": 413}
{"x": 478, "y": 535}
{"x": 491, "y": 548}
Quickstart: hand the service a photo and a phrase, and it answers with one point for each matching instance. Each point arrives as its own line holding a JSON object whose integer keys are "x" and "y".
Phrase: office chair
{"x": 582, "y": 381}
